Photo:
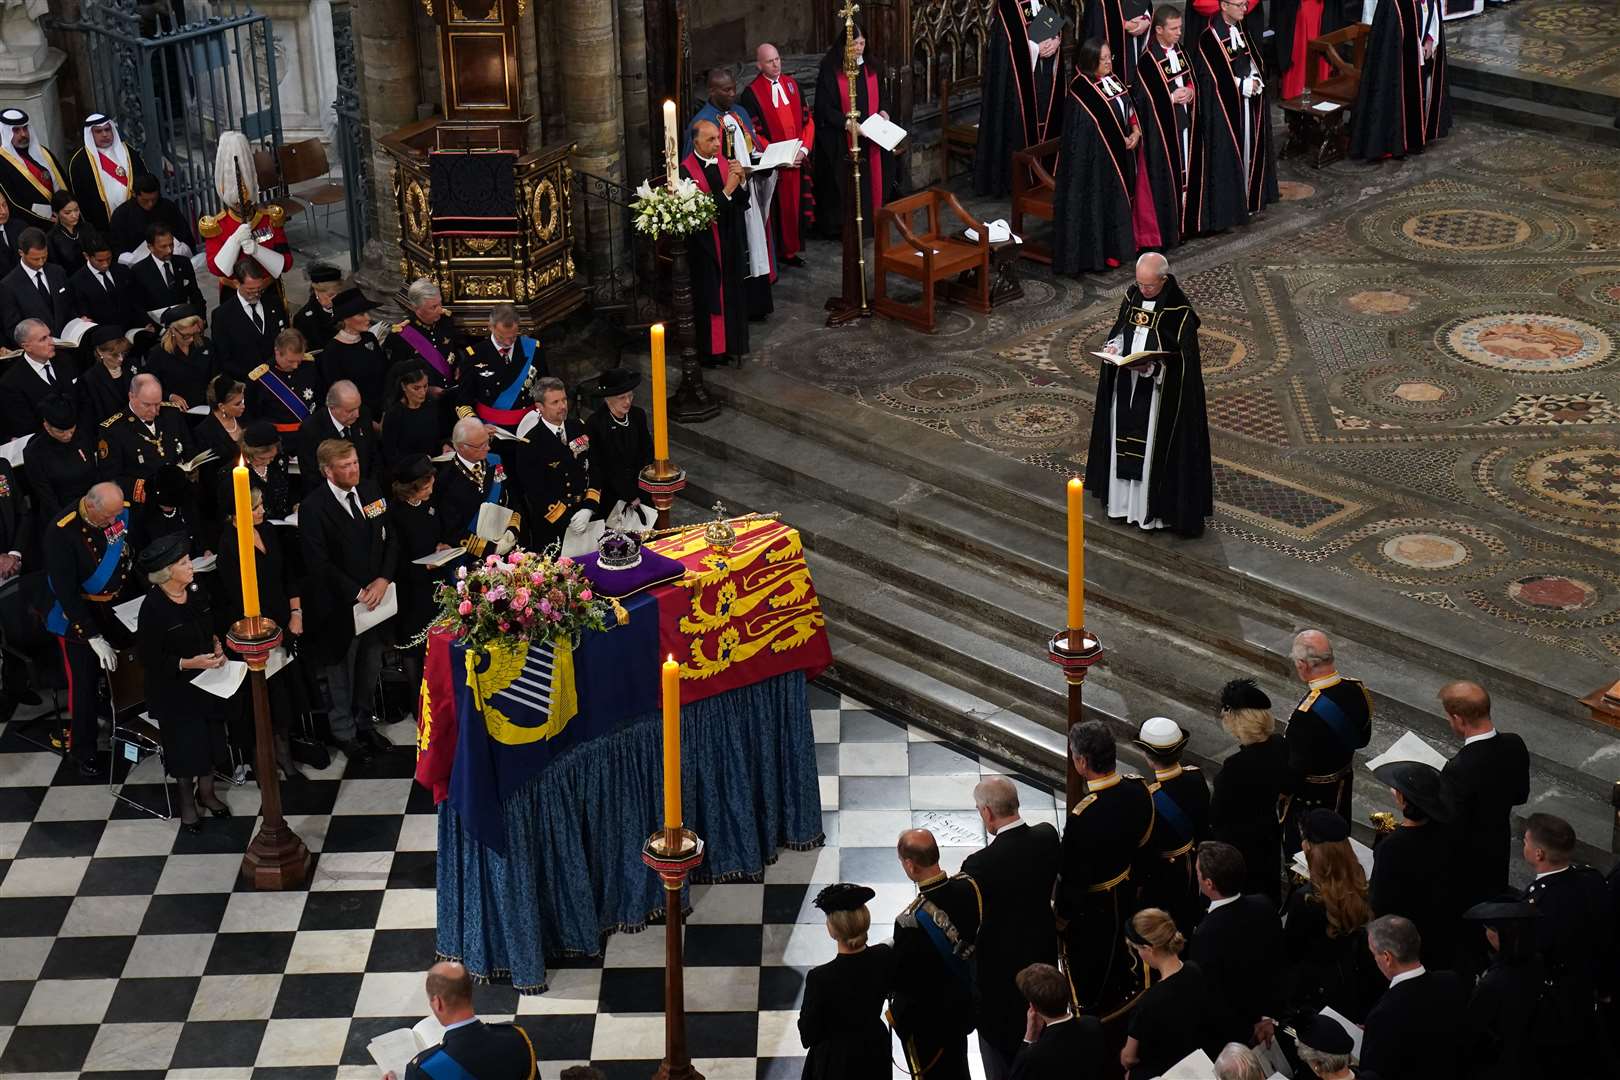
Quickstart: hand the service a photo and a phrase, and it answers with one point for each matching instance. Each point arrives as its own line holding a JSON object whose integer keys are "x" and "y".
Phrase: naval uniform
{"x": 1331, "y": 722}
{"x": 932, "y": 1006}
{"x": 285, "y": 398}
{"x": 1576, "y": 937}
{"x": 132, "y": 451}
{"x": 1180, "y": 822}
{"x": 556, "y": 473}
{"x": 88, "y": 567}
{"x": 1104, "y": 840}
{"x": 316, "y": 323}
{"x": 476, "y": 1050}
{"x": 462, "y": 488}
{"x": 498, "y": 386}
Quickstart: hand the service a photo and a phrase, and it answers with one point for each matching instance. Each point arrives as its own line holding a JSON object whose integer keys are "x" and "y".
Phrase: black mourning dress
{"x": 841, "y": 1019}
{"x": 168, "y": 633}
{"x": 278, "y": 583}
{"x": 1170, "y": 1021}
{"x": 363, "y": 362}
{"x": 183, "y": 373}
{"x": 619, "y": 451}
{"x": 420, "y": 532}
{"x": 412, "y": 431}
{"x": 829, "y": 157}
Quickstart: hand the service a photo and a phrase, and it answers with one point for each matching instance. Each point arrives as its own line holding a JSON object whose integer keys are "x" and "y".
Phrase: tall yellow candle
{"x": 672, "y": 143}
{"x": 1077, "y": 555}
{"x": 244, "y": 539}
{"x": 660, "y": 396}
{"x": 672, "y": 744}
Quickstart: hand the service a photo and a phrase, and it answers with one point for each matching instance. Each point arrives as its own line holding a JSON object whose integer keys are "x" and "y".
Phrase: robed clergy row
{"x": 1404, "y": 101}
{"x": 1022, "y": 99}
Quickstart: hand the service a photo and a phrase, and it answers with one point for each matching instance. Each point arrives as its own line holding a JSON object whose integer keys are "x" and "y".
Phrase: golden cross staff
{"x": 852, "y": 124}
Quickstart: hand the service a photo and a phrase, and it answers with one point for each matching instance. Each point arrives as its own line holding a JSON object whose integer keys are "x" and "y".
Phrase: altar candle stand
{"x": 1072, "y": 648}
{"x": 673, "y": 852}
{"x": 276, "y": 858}
{"x": 661, "y": 480}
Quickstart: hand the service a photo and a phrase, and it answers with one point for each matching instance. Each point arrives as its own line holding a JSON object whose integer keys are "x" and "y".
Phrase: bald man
{"x": 720, "y": 258}
{"x": 471, "y": 1049}
{"x": 150, "y": 433}
{"x": 781, "y": 112}
{"x": 1331, "y": 722}
{"x": 935, "y": 940}
{"x": 1489, "y": 777}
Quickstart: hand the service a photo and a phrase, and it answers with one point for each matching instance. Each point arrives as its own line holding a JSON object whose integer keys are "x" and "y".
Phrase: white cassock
{"x": 1128, "y": 499}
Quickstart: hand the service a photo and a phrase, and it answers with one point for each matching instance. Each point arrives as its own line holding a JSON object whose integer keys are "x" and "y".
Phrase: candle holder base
{"x": 662, "y": 487}
{"x": 673, "y": 853}
{"x": 1076, "y": 660}
{"x": 253, "y": 639}
{"x": 276, "y": 859}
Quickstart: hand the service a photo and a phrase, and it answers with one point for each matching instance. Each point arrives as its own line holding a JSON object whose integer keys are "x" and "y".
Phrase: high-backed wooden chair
{"x": 1345, "y": 79}
{"x": 927, "y": 256}
{"x": 1033, "y": 189}
{"x": 956, "y": 140}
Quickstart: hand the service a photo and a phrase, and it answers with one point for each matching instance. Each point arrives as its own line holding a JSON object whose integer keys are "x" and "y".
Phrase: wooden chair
{"x": 956, "y": 140}
{"x": 272, "y": 188}
{"x": 305, "y": 161}
{"x": 1032, "y": 193}
{"x": 929, "y": 257}
{"x": 1341, "y": 85}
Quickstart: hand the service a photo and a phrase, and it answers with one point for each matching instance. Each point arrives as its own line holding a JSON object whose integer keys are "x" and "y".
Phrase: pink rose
{"x": 556, "y": 616}
{"x": 514, "y": 557}
{"x": 545, "y": 607}
{"x": 461, "y": 587}
{"x": 565, "y": 561}
{"x": 520, "y": 597}
{"x": 585, "y": 595}
{"x": 465, "y": 607}
{"x": 461, "y": 572}
{"x": 537, "y": 579}
{"x": 505, "y": 625}
{"x": 492, "y": 561}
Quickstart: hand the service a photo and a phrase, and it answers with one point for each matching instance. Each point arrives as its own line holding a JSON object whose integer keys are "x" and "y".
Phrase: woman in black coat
{"x": 841, "y": 1017}
{"x": 1243, "y": 801}
{"x": 221, "y": 432}
{"x": 412, "y": 424}
{"x": 1500, "y": 1043}
{"x": 1324, "y": 926}
{"x": 421, "y": 532}
{"x": 1170, "y": 1019}
{"x": 354, "y": 353}
{"x": 175, "y": 642}
{"x": 103, "y": 390}
{"x": 182, "y": 362}
{"x": 621, "y": 446}
{"x": 830, "y": 155}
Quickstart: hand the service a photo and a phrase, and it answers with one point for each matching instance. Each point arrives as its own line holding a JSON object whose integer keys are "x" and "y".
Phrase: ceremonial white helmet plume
{"x": 235, "y": 179}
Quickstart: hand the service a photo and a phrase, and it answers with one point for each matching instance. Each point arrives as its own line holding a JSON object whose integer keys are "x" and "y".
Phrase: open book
{"x": 498, "y": 432}
{"x": 886, "y": 133}
{"x": 439, "y": 558}
{"x": 1195, "y": 1066}
{"x": 493, "y": 520}
{"x": 1364, "y": 856}
{"x": 1409, "y": 747}
{"x": 201, "y": 459}
{"x": 1132, "y": 358}
{"x": 393, "y": 1050}
{"x": 778, "y": 154}
{"x": 389, "y": 607}
{"x": 13, "y": 450}
{"x": 74, "y": 332}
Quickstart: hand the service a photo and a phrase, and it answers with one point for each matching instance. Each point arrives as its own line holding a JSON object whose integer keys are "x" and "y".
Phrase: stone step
{"x": 1573, "y": 123}
{"x": 975, "y": 547}
{"x": 1590, "y": 101}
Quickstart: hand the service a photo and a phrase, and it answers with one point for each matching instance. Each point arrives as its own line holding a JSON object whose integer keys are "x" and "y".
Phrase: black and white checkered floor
{"x": 130, "y": 949}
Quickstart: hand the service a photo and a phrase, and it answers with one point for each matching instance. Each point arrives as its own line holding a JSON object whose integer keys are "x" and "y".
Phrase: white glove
{"x": 105, "y": 653}
{"x": 269, "y": 258}
{"x": 580, "y": 521}
{"x": 506, "y": 543}
{"x": 242, "y": 235}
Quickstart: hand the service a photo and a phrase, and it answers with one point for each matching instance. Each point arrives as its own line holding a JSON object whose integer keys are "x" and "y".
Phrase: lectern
{"x": 497, "y": 228}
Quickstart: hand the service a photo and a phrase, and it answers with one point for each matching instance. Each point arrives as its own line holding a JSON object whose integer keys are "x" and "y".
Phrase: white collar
{"x": 1223, "y": 901}
{"x": 39, "y": 367}
{"x": 1481, "y": 737}
{"x": 249, "y": 306}
{"x": 340, "y": 425}
{"x": 1063, "y": 1020}
{"x": 461, "y": 1023}
{"x": 472, "y": 466}
{"x": 1010, "y": 826}
{"x": 556, "y": 429}
{"x": 39, "y": 273}
{"x": 1405, "y": 975}
{"x": 343, "y": 496}
{"x": 706, "y": 160}
{"x": 499, "y": 346}
{"x": 1550, "y": 873}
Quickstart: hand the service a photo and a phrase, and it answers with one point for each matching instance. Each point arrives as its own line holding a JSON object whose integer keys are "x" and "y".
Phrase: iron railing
{"x": 353, "y": 136}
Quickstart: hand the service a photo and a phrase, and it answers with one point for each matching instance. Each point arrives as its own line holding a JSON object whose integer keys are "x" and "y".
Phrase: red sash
{"x": 40, "y": 172}
{"x": 717, "y": 318}
{"x": 112, "y": 168}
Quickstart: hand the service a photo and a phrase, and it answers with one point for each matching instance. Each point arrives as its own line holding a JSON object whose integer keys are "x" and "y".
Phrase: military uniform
{"x": 1576, "y": 936}
{"x": 131, "y": 452}
{"x": 556, "y": 480}
{"x": 461, "y": 489}
{"x": 1331, "y": 722}
{"x": 1180, "y": 822}
{"x": 1104, "y": 844}
{"x": 441, "y": 348}
{"x": 500, "y": 389}
{"x": 934, "y": 940}
{"x": 476, "y": 1051}
{"x": 87, "y": 567}
{"x": 316, "y": 323}
{"x": 285, "y": 398}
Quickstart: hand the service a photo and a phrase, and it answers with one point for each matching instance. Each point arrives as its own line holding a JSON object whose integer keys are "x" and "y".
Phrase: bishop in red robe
{"x": 779, "y": 106}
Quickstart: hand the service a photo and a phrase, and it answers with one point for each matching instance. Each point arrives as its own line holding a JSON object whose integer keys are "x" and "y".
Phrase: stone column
{"x": 638, "y": 138}
{"x": 385, "y": 48}
{"x": 28, "y": 68}
{"x": 592, "y": 104}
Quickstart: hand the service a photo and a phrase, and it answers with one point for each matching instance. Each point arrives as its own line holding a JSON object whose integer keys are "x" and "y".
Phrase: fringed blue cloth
{"x": 573, "y": 869}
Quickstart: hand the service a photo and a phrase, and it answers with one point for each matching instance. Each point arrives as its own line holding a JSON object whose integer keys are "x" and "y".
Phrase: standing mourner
{"x": 498, "y": 374}
{"x": 60, "y": 461}
{"x": 1489, "y": 776}
{"x": 1324, "y": 926}
{"x": 719, "y": 258}
{"x": 149, "y": 434}
{"x": 1415, "y": 1031}
{"x": 1234, "y": 162}
{"x": 1403, "y": 102}
{"x": 841, "y": 1018}
{"x": 1180, "y": 822}
{"x": 934, "y": 942}
{"x": 830, "y": 158}
{"x": 317, "y": 320}
{"x": 429, "y": 336}
{"x": 29, "y": 172}
{"x": 1172, "y": 1018}
{"x": 1021, "y": 100}
{"x": 289, "y": 388}
{"x": 621, "y": 446}
{"x": 182, "y": 362}
{"x": 473, "y": 478}
{"x": 782, "y": 113}
{"x": 1413, "y": 867}
{"x": 1502, "y": 1013}
{"x": 1165, "y": 103}
{"x": 353, "y": 352}
{"x": 1096, "y": 168}
{"x": 102, "y": 172}
{"x": 411, "y": 423}
{"x": 556, "y": 465}
{"x": 1331, "y": 722}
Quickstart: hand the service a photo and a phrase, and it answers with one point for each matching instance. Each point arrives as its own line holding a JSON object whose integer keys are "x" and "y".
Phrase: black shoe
{"x": 218, "y": 811}
{"x": 90, "y": 770}
{"x": 192, "y": 827}
{"x": 793, "y": 261}
{"x": 376, "y": 740}
{"x": 354, "y": 749}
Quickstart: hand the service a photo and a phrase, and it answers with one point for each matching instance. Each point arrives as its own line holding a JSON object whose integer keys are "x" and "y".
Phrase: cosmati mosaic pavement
{"x": 1574, "y": 43}
{"x": 1413, "y": 373}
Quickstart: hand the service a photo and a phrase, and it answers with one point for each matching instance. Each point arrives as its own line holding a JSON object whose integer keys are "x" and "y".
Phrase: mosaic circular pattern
{"x": 1294, "y": 190}
{"x": 1467, "y": 229}
{"x": 942, "y": 388}
{"x": 1578, "y": 20}
{"x": 1593, "y": 182}
{"x": 1596, "y": 287}
{"x": 1589, "y": 478}
{"x": 1527, "y": 342}
{"x": 1034, "y": 420}
{"x": 1553, "y": 592}
{"x": 1411, "y": 394}
{"x": 1380, "y": 303}
{"x": 1464, "y": 227}
{"x": 1516, "y": 157}
{"x": 1425, "y": 551}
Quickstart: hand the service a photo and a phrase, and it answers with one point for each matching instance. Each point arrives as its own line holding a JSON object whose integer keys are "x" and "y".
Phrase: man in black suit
{"x": 35, "y": 375}
{"x": 342, "y": 417}
{"x": 1057, "y": 1045}
{"x": 247, "y": 321}
{"x": 1015, "y": 873}
{"x": 350, "y": 554}
{"x": 100, "y": 290}
{"x": 1239, "y": 947}
{"x": 555, "y": 468}
{"x": 471, "y": 1048}
{"x": 11, "y": 228}
{"x": 1576, "y": 933}
{"x": 1415, "y": 1031}
{"x": 19, "y": 549}
{"x": 1331, "y": 722}
{"x": 131, "y": 220}
{"x": 164, "y": 280}
{"x": 35, "y": 288}
{"x": 1489, "y": 776}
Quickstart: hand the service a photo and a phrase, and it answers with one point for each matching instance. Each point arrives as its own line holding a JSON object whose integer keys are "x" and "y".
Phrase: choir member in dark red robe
{"x": 1404, "y": 102}
{"x": 1234, "y": 162}
{"x": 831, "y": 152}
{"x": 1020, "y": 105}
{"x": 1293, "y": 24}
{"x": 778, "y": 106}
{"x": 719, "y": 257}
{"x": 1096, "y": 168}
{"x": 1124, "y": 24}
{"x": 1165, "y": 104}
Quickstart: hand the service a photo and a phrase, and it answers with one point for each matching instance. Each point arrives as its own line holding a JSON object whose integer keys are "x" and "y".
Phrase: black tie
{"x": 258, "y": 319}
{"x": 343, "y": 433}
{"x": 50, "y": 375}
{"x": 168, "y": 276}
{"x": 44, "y": 289}
{"x": 354, "y": 507}
{"x": 106, "y": 282}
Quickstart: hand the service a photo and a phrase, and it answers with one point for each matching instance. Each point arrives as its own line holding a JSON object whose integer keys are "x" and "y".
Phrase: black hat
{"x": 351, "y": 302}
{"x": 162, "y": 552}
{"x": 1419, "y": 784}
{"x": 1325, "y": 1036}
{"x": 323, "y": 272}
{"x": 221, "y": 386}
{"x": 1243, "y": 694}
{"x": 101, "y": 333}
{"x": 168, "y": 487}
{"x": 59, "y": 412}
{"x": 843, "y": 896}
{"x": 615, "y": 381}
{"x": 260, "y": 433}
{"x": 181, "y": 311}
{"x": 1492, "y": 912}
{"x": 1323, "y": 826}
{"x": 411, "y": 469}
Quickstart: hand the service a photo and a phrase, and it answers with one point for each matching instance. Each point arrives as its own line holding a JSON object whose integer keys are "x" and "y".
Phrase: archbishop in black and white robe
{"x": 1150, "y": 460}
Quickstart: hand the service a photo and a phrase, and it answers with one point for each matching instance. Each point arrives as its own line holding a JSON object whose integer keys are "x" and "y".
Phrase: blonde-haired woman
{"x": 841, "y": 1019}
{"x": 1170, "y": 1018}
{"x": 1243, "y": 800}
{"x": 181, "y": 361}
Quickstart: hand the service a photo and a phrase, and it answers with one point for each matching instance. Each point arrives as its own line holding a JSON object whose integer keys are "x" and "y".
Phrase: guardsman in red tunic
{"x": 244, "y": 229}
{"x": 778, "y": 105}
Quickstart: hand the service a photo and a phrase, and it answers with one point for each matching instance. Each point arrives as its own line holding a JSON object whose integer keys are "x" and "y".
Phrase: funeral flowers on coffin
{"x": 521, "y": 595}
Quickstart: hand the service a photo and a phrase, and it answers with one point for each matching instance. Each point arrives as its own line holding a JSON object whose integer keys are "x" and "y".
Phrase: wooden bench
{"x": 1033, "y": 190}
{"x": 928, "y": 257}
{"x": 956, "y": 141}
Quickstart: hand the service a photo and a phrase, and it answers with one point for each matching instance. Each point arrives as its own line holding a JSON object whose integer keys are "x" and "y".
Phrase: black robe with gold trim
{"x": 24, "y": 191}
{"x": 90, "y": 183}
{"x": 1223, "y": 188}
{"x": 1021, "y": 104}
{"x": 1091, "y": 210}
{"x": 1403, "y": 104}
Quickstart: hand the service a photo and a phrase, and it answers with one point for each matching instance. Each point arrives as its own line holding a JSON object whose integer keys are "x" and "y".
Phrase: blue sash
{"x": 1167, "y": 809}
{"x": 936, "y": 937}
{"x": 441, "y": 1066}
{"x": 508, "y": 398}
{"x": 1334, "y": 718}
{"x": 56, "y": 622}
{"x": 494, "y": 495}
{"x": 295, "y": 405}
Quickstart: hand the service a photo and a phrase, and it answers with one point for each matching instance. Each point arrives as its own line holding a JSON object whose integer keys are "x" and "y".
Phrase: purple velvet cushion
{"x": 654, "y": 569}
